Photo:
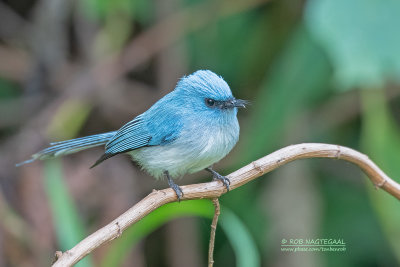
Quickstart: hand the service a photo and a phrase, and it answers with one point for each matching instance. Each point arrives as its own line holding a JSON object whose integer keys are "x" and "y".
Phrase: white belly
{"x": 196, "y": 153}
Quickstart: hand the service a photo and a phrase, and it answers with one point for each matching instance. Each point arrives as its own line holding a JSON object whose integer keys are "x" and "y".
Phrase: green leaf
{"x": 100, "y": 9}
{"x": 121, "y": 247}
{"x": 240, "y": 238}
{"x": 69, "y": 228}
{"x": 245, "y": 249}
{"x": 381, "y": 140}
{"x": 299, "y": 77}
{"x": 361, "y": 38}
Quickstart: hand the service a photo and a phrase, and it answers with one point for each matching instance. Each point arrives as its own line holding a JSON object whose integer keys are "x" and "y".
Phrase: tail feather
{"x": 62, "y": 148}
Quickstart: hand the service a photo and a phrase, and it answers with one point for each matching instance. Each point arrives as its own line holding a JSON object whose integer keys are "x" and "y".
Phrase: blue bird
{"x": 186, "y": 131}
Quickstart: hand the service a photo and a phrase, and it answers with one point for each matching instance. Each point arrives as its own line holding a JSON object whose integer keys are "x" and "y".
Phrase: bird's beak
{"x": 239, "y": 103}
{"x": 234, "y": 103}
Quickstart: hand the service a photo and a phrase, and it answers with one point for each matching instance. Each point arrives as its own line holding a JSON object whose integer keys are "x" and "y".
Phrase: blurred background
{"x": 315, "y": 71}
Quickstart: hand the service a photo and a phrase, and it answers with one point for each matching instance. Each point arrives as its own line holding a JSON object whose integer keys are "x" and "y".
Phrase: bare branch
{"x": 212, "y": 233}
{"x": 215, "y": 189}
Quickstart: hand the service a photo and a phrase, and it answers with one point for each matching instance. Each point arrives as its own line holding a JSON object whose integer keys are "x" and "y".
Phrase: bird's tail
{"x": 70, "y": 146}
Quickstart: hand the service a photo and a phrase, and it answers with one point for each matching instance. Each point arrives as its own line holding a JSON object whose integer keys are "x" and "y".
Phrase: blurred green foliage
{"x": 65, "y": 215}
{"x": 360, "y": 38}
{"x": 244, "y": 247}
{"x": 316, "y": 70}
{"x": 136, "y": 9}
{"x": 8, "y": 89}
{"x": 381, "y": 140}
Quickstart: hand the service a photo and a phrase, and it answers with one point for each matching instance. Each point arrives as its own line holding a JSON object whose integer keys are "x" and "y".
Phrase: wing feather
{"x": 131, "y": 136}
{"x": 160, "y": 125}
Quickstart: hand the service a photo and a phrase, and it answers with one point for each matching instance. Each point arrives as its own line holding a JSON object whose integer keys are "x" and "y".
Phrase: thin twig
{"x": 215, "y": 189}
{"x": 212, "y": 233}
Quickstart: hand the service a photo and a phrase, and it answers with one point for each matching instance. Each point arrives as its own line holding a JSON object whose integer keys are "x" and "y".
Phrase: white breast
{"x": 192, "y": 151}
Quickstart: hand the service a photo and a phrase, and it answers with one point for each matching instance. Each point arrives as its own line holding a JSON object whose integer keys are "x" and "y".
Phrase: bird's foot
{"x": 175, "y": 187}
{"x": 223, "y": 179}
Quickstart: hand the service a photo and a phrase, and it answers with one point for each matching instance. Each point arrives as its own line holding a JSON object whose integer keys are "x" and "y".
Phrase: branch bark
{"x": 215, "y": 189}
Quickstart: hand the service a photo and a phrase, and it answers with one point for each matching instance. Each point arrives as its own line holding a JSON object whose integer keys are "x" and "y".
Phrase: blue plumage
{"x": 186, "y": 131}
{"x": 70, "y": 146}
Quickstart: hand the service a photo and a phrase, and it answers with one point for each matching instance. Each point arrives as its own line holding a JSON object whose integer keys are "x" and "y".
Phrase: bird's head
{"x": 206, "y": 91}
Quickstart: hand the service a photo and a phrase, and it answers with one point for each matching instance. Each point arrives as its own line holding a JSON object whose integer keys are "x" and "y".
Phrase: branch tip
{"x": 58, "y": 254}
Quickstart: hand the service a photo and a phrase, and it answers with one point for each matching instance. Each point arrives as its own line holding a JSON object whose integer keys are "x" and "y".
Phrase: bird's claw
{"x": 174, "y": 186}
{"x": 178, "y": 191}
{"x": 223, "y": 179}
{"x": 217, "y": 176}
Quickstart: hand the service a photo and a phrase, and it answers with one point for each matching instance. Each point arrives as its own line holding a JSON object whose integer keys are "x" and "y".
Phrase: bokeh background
{"x": 315, "y": 71}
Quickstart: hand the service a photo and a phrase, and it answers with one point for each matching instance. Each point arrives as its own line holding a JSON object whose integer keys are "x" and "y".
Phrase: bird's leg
{"x": 217, "y": 176}
{"x": 177, "y": 189}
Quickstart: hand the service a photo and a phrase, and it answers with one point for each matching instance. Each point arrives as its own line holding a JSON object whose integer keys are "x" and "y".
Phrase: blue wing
{"x": 157, "y": 126}
{"x": 131, "y": 136}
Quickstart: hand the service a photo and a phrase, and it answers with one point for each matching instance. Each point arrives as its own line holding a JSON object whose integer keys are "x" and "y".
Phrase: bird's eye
{"x": 210, "y": 102}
